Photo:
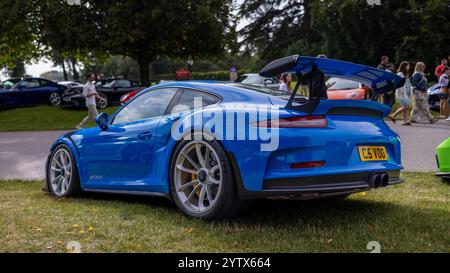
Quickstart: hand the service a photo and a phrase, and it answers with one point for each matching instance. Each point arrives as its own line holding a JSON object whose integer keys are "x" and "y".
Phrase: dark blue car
{"x": 31, "y": 91}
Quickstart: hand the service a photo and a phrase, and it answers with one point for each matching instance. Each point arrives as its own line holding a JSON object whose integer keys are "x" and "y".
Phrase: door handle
{"x": 145, "y": 135}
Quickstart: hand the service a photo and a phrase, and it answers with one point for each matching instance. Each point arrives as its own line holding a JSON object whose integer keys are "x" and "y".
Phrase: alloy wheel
{"x": 198, "y": 176}
{"x": 60, "y": 172}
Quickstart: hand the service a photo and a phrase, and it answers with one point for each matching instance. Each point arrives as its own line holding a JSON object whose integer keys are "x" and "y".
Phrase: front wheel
{"x": 55, "y": 99}
{"x": 201, "y": 181}
{"x": 62, "y": 173}
{"x": 102, "y": 103}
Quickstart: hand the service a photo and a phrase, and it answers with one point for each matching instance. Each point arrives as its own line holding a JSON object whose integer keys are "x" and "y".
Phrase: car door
{"x": 25, "y": 91}
{"x": 184, "y": 101}
{"x": 119, "y": 157}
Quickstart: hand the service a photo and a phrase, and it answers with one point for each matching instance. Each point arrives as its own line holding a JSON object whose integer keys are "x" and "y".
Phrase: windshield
{"x": 341, "y": 84}
{"x": 9, "y": 83}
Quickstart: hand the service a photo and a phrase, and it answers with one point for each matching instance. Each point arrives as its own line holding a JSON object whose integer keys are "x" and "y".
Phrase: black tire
{"x": 228, "y": 203}
{"x": 102, "y": 104}
{"x": 74, "y": 188}
{"x": 55, "y": 99}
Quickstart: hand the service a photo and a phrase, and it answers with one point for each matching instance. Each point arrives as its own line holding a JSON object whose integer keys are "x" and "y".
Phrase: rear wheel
{"x": 62, "y": 173}
{"x": 201, "y": 181}
{"x": 55, "y": 99}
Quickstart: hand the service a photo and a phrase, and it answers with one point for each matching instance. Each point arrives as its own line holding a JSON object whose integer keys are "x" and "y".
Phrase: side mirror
{"x": 268, "y": 81}
{"x": 102, "y": 121}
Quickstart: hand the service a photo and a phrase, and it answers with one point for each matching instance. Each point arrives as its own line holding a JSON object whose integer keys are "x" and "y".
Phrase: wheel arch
{"x": 65, "y": 140}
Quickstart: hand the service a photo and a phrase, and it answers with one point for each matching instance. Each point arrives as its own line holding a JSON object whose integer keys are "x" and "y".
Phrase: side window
{"x": 149, "y": 105}
{"x": 191, "y": 99}
{"x": 32, "y": 83}
{"x": 122, "y": 84}
{"x": 44, "y": 82}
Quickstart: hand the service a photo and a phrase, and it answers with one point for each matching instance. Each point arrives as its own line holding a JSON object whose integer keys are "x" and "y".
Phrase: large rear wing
{"x": 378, "y": 80}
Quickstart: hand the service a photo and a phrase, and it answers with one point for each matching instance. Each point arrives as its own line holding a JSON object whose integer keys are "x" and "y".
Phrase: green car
{"x": 443, "y": 159}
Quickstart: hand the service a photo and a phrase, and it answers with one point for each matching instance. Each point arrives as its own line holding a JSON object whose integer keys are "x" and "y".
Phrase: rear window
{"x": 259, "y": 89}
{"x": 252, "y": 79}
{"x": 341, "y": 84}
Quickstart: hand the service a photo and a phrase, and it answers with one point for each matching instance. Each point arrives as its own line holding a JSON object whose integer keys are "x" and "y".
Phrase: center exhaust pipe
{"x": 378, "y": 180}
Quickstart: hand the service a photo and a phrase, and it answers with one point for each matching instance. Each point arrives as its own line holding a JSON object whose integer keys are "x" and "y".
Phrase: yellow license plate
{"x": 373, "y": 153}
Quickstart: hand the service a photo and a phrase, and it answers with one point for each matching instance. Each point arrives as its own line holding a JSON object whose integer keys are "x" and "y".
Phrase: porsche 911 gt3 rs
{"x": 239, "y": 143}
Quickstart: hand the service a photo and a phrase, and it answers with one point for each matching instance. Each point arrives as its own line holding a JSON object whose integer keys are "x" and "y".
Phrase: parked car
{"x": 32, "y": 91}
{"x": 443, "y": 159}
{"x": 111, "y": 93}
{"x": 316, "y": 153}
{"x": 257, "y": 80}
{"x": 127, "y": 97}
{"x": 433, "y": 96}
{"x": 343, "y": 89}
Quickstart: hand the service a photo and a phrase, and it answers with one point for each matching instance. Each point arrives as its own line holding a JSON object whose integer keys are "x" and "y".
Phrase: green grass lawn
{"x": 40, "y": 118}
{"x": 412, "y": 217}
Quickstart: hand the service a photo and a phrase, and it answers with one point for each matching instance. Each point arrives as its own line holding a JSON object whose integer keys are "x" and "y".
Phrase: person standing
{"x": 403, "y": 93}
{"x": 440, "y": 68}
{"x": 90, "y": 94}
{"x": 444, "y": 92}
{"x": 286, "y": 80}
{"x": 384, "y": 62}
{"x": 389, "y": 97}
{"x": 421, "y": 109}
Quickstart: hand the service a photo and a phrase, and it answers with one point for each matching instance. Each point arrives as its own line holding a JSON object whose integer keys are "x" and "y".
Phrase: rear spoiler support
{"x": 308, "y": 107}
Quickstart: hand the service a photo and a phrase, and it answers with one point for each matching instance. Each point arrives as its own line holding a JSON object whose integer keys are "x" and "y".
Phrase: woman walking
{"x": 444, "y": 92}
{"x": 403, "y": 94}
{"x": 421, "y": 110}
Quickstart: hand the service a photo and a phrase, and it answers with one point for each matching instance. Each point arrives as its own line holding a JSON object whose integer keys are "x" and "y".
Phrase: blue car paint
{"x": 29, "y": 96}
{"x": 336, "y": 144}
{"x": 100, "y": 154}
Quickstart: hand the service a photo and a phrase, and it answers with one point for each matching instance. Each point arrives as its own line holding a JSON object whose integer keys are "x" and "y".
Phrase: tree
{"x": 276, "y": 24}
{"x": 148, "y": 30}
{"x": 17, "y": 35}
{"x": 68, "y": 32}
{"x": 350, "y": 30}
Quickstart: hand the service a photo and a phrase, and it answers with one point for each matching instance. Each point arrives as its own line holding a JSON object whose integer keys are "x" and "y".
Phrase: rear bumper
{"x": 312, "y": 187}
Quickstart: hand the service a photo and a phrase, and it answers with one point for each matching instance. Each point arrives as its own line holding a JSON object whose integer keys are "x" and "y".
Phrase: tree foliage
{"x": 350, "y": 30}
{"x": 17, "y": 35}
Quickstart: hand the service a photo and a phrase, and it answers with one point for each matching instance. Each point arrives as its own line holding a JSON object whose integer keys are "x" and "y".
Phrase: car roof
{"x": 230, "y": 92}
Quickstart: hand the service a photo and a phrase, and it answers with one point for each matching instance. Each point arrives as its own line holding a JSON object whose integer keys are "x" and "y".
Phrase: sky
{"x": 44, "y": 65}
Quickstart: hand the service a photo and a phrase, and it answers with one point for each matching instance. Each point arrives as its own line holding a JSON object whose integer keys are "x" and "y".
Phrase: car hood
{"x": 380, "y": 81}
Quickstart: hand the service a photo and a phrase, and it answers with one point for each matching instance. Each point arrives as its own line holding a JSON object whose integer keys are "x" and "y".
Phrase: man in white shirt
{"x": 90, "y": 94}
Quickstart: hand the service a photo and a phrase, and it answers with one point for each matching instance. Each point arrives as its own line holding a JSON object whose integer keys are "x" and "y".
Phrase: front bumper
{"x": 443, "y": 175}
{"x": 75, "y": 100}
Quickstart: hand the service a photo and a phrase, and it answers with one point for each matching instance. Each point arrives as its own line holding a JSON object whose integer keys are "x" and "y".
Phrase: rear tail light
{"x": 309, "y": 164}
{"x": 295, "y": 122}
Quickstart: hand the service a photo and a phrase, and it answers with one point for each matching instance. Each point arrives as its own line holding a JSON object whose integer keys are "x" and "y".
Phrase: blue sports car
{"x": 31, "y": 91}
{"x": 211, "y": 147}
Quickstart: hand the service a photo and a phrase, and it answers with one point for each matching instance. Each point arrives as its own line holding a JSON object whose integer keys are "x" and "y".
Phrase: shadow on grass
{"x": 289, "y": 213}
